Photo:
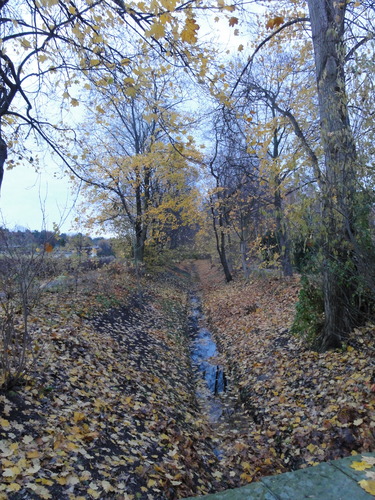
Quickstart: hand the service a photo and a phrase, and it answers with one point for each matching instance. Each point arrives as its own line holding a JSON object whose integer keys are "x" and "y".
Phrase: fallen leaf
{"x": 360, "y": 465}
{"x": 368, "y": 486}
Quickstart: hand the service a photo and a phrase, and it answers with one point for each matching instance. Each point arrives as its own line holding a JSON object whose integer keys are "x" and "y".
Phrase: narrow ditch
{"x": 218, "y": 397}
{"x": 211, "y": 380}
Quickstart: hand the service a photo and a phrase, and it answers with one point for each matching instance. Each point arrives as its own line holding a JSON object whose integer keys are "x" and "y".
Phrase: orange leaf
{"x": 275, "y": 22}
{"x": 48, "y": 247}
{"x": 233, "y": 21}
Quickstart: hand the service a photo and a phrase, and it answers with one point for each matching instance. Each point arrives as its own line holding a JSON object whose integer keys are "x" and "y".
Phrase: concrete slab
{"x": 315, "y": 483}
{"x": 344, "y": 466}
{"x": 334, "y": 480}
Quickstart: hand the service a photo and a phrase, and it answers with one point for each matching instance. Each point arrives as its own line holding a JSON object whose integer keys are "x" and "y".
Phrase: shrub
{"x": 21, "y": 269}
{"x": 309, "y": 318}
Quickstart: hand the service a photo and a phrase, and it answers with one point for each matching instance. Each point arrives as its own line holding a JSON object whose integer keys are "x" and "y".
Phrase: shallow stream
{"x": 204, "y": 354}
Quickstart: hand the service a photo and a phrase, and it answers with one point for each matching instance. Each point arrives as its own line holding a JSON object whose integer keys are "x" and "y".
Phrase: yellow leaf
{"x": 165, "y": 18}
{"x": 156, "y": 31}
{"x": 311, "y": 447}
{"x": 240, "y": 48}
{"x": 74, "y": 103}
{"x": 72, "y": 9}
{"x": 45, "y": 481}
{"x": 11, "y": 471}
{"x": 246, "y": 477}
{"x": 189, "y": 33}
{"x": 32, "y": 454}
{"x": 131, "y": 91}
{"x": 359, "y": 421}
{"x": 368, "y": 486}
{"x": 97, "y": 39}
{"x": 4, "y": 422}
{"x": 246, "y": 466}
{"x": 78, "y": 416}
{"x": 94, "y": 62}
{"x": 360, "y": 465}
{"x": 151, "y": 483}
{"x": 93, "y": 493}
{"x": 13, "y": 487}
{"x": 129, "y": 80}
{"x": 106, "y": 485}
{"x": 25, "y": 43}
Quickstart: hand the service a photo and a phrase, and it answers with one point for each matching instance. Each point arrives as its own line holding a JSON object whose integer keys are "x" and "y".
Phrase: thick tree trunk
{"x": 338, "y": 186}
{"x": 223, "y": 257}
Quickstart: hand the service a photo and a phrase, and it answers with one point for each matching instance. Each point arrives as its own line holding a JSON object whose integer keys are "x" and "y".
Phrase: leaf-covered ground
{"x": 109, "y": 410}
{"x": 305, "y": 407}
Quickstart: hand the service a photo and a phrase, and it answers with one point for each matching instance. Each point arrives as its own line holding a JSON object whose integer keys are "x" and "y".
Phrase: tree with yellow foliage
{"x": 139, "y": 173}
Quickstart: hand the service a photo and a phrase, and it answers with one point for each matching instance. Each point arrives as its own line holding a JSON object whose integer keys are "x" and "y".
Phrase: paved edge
{"x": 334, "y": 480}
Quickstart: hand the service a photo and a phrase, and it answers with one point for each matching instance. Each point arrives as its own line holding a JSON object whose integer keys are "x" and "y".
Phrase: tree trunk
{"x": 220, "y": 243}
{"x": 140, "y": 236}
{"x": 245, "y": 267}
{"x": 223, "y": 257}
{"x": 3, "y": 157}
{"x": 281, "y": 232}
{"x": 338, "y": 185}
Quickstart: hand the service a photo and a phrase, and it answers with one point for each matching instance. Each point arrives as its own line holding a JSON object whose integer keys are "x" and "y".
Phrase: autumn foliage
{"x": 110, "y": 410}
{"x": 303, "y": 407}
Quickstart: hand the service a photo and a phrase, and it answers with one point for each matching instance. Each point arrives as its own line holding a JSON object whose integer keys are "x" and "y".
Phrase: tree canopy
{"x": 287, "y": 124}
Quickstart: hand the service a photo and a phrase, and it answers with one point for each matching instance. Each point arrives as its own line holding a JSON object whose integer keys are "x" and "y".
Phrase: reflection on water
{"x": 204, "y": 357}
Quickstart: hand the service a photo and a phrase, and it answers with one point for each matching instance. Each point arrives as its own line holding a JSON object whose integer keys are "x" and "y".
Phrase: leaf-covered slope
{"x": 110, "y": 411}
{"x": 306, "y": 407}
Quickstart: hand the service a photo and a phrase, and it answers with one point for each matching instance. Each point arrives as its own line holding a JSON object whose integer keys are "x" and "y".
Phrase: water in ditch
{"x": 211, "y": 380}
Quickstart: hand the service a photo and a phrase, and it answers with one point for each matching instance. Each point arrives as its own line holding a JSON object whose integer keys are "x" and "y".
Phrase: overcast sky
{"x": 36, "y": 201}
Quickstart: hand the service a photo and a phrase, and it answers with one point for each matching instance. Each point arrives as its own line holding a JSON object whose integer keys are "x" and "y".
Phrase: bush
{"x": 309, "y": 318}
{"x": 21, "y": 269}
